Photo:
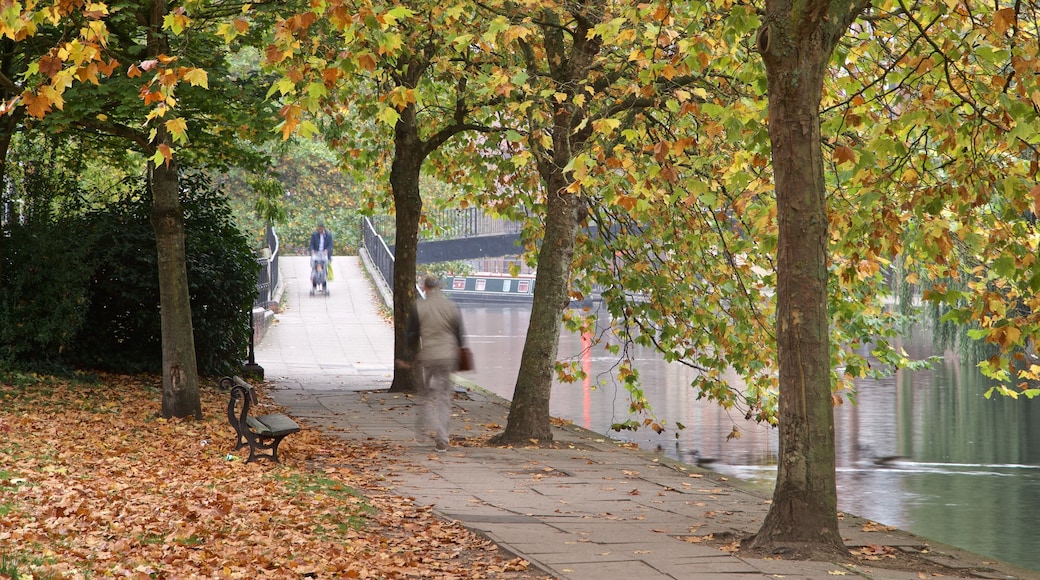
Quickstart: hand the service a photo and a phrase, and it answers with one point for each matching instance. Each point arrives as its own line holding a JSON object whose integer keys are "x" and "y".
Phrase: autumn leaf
{"x": 876, "y": 527}
{"x": 844, "y": 154}
{"x": 197, "y": 77}
{"x": 178, "y": 128}
{"x": 149, "y": 498}
{"x": 35, "y": 105}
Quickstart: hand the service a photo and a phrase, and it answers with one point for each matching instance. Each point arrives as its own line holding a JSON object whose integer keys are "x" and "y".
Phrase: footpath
{"x": 589, "y": 509}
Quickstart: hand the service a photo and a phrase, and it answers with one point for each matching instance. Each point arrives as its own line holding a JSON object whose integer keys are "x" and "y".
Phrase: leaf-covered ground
{"x": 94, "y": 484}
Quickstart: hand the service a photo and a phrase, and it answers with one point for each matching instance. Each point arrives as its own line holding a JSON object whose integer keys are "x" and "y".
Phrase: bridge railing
{"x": 268, "y": 261}
{"x": 378, "y": 250}
{"x": 449, "y": 224}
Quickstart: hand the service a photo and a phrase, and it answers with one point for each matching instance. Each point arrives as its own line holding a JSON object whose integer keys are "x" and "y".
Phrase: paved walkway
{"x": 590, "y": 510}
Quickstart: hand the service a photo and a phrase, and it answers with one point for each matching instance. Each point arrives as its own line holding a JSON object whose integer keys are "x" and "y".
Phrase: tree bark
{"x": 529, "y": 410}
{"x": 180, "y": 375}
{"x": 180, "y": 394}
{"x": 796, "y": 46}
{"x": 10, "y": 124}
{"x": 404, "y": 181}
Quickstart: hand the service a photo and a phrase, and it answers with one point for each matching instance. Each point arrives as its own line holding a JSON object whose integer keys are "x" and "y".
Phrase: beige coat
{"x": 437, "y": 324}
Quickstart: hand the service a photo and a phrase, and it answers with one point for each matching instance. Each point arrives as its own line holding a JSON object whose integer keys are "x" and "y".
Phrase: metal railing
{"x": 448, "y": 224}
{"x": 378, "y": 251}
{"x": 268, "y": 260}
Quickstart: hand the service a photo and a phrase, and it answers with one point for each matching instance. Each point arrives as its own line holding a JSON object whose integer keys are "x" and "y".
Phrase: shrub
{"x": 46, "y": 274}
{"x": 90, "y": 287}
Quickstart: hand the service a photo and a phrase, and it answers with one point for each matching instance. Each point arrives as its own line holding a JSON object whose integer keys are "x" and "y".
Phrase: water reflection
{"x": 923, "y": 451}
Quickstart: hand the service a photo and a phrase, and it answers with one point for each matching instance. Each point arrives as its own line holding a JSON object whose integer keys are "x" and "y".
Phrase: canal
{"x": 923, "y": 451}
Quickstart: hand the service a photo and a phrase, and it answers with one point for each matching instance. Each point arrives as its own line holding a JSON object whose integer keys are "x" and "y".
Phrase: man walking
{"x": 435, "y": 335}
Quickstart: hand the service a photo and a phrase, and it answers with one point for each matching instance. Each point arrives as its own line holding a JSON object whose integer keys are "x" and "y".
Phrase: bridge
{"x": 457, "y": 235}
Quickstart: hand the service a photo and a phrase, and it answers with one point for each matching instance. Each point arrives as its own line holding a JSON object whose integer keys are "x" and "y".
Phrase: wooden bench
{"x": 260, "y": 434}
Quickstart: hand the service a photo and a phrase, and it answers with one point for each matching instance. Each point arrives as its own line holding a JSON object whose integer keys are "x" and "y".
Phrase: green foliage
{"x": 934, "y": 156}
{"x": 123, "y": 330}
{"x": 46, "y": 261}
{"x": 82, "y": 288}
{"x": 46, "y": 273}
{"x": 304, "y": 186}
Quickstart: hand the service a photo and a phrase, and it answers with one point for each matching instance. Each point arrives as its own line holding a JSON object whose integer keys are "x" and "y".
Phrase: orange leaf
{"x": 50, "y": 66}
{"x": 36, "y": 106}
{"x": 844, "y": 154}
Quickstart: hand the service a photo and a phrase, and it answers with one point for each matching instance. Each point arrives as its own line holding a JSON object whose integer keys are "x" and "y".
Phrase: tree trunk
{"x": 803, "y": 514}
{"x": 11, "y": 68}
{"x": 569, "y": 66}
{"x": 180, "y": 394}
{"x": 10, "y": 123}
{"x": 180, "y": 374}
{"x": 529, "y": 410}
{"x": 404, "y": 181}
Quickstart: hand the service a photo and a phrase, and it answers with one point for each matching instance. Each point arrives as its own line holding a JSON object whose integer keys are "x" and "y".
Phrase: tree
{"x": 179, "y": 370}
{"x": 108, "y": 109}
{"x": 415, "y": 67}
{"x": 558, "y": 131}
{"x": 593, "y": 77}
{"x": 796, "y": 42}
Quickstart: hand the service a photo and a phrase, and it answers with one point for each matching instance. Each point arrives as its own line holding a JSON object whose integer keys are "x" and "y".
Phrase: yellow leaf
{"x": 388, "y": 116}
{"x": 605, "y": 126}
{"x": 307, "y": 129}
{"x": 178, "y": 128}
{"x": 197, "y": 77}
{"x": 401, "y": 97}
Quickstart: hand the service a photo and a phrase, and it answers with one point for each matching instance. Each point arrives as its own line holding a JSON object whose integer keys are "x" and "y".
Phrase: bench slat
{"x": 274, "y": 424}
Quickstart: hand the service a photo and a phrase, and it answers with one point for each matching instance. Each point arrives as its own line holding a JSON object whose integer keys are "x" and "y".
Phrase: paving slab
{"x": 589, "y": 509}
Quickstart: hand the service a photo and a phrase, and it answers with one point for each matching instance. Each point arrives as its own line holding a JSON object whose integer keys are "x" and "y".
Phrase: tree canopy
{"x": 749, "y": 187}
